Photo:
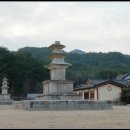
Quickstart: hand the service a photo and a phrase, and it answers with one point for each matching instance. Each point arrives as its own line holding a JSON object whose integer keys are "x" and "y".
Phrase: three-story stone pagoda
{"x": 58, "y": 88}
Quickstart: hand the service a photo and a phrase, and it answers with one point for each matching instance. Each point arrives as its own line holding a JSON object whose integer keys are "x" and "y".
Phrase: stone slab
{"x": 36, "y": 105}
{"x": 59, "y": 87}
{"x": 4, "y": 96}
{"x": 6, "y": 102}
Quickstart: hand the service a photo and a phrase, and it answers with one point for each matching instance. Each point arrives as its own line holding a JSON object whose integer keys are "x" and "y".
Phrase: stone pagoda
{"x": 58, "y": 88}
{"x": 5, "y": 86}
{"x": 4, "y": 96}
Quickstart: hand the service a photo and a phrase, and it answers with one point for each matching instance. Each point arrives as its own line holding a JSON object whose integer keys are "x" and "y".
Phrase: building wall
{"x": 82, "y": 93}
{"x": 95, "y": 94}
{"x": 105, "y": 93}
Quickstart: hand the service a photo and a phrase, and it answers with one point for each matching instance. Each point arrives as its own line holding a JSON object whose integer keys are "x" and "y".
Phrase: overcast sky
{"x": 88, "y": 26}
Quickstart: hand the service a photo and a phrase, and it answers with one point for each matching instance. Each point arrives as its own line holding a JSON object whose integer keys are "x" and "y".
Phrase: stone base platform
{"x": 36, "y": 105}
{"x": 68, "y": 96}
{"x": 4, "y": 96}
{"x": 6, "y": 102}
{"x": 5, "y": 99}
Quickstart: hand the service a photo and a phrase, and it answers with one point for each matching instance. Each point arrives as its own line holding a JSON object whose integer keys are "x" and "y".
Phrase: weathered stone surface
{"x": 6, "y": 102}
{"x": 4, "y": 97}
{"x": 56, "y": 86}
{"x": 33, "y": 105}
{"x": 5, "y": 86}
{"x": 56, "y": 96}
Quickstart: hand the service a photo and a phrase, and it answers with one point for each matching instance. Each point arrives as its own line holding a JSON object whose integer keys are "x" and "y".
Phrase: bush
{"x": 125, "y": 95}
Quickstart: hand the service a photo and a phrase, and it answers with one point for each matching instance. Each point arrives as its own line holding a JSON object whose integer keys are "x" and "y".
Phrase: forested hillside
{"x": 24, "y": 72}
{"x": 94, "y": 65}
{"x": 25, "y": 67}
{"x": 40, "y": 53}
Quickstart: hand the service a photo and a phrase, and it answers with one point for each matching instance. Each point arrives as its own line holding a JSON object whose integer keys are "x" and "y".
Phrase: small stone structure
{"x": 4, "y": 96}
{"x": 58, "y": 92}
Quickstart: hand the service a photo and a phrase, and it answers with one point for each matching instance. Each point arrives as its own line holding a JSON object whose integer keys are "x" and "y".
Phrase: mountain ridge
{"x": 77, "y": 51}
{"x": 89, "y": 64}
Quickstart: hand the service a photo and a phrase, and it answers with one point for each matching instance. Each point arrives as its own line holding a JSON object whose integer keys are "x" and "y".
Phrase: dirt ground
{"x": 118, "y": 117}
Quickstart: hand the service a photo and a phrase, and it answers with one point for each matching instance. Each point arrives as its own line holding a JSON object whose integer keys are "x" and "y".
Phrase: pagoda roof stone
{"x": 56, "y": 45}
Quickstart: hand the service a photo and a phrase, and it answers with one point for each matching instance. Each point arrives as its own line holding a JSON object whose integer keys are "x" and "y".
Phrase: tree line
{"x": 25, "y": 68}
{"x": 24, "y": 72}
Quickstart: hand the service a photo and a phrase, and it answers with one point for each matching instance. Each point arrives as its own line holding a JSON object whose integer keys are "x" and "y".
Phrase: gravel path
{"x": 118, "y": 117}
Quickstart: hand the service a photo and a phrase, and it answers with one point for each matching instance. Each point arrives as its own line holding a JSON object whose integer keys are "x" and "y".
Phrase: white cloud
{"x": 77, "y": 24}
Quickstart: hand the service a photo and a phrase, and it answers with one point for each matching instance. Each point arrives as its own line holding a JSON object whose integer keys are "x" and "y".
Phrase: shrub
{"x": 125, "y": 95}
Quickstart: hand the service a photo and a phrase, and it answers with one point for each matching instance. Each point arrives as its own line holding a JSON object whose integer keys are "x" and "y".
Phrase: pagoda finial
{"x": 56, "y": 45}
{"x": 57, "y": 42}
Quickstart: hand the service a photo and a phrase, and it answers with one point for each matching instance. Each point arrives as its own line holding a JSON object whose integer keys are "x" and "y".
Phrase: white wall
{"x": 113, "y": 95}
{"x": 88, "y": 90}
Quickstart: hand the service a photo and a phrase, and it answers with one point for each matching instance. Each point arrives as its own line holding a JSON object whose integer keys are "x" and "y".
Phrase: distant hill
{"x": 77, "y": 51}
{"x": 38, "y": 52}
{"x": 92, "y": 64}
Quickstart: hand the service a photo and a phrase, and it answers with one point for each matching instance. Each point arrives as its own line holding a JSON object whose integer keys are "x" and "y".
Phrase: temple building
{"x": 100, "y": 90}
